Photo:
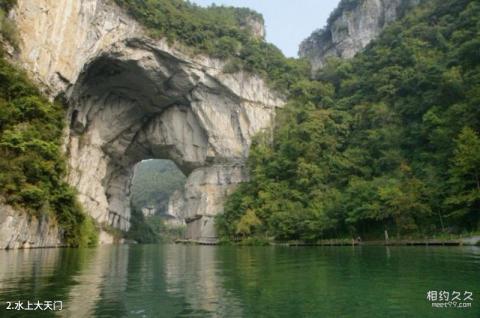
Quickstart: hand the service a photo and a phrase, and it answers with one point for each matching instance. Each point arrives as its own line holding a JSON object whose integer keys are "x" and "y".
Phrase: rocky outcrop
{"x": 132, "y": 98}
{"x": 18, "y": 229}
{"x": 204, "y": 195}
{"x": 352, "y": 26}
{"x": 254, "y": 24}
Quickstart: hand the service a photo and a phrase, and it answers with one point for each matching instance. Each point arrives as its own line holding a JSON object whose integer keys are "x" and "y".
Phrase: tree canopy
{"x": 387, "y": 140}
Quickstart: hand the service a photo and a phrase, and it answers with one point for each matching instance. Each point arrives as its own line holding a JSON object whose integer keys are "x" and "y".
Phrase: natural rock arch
{"x": 132, "y": 98}
{"x": 135, "y": 103}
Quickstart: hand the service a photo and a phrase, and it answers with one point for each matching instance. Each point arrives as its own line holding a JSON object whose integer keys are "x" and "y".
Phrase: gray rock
{"x": 18, "y": 229}
{"x": 352, "y": 29}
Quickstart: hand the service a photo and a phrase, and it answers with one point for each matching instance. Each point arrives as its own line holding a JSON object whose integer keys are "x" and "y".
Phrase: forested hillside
{"x": 388, "y": 140}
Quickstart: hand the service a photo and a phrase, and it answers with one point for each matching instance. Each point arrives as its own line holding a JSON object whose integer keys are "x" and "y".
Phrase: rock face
{"x": 19, "y": 230}
{"x": 255, "y": 25}
{"x": 353, "y": 25}
{"x": 132, "y": 98}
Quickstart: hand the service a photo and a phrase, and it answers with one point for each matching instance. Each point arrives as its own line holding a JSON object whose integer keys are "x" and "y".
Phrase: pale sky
{"x": 288, "y": 22}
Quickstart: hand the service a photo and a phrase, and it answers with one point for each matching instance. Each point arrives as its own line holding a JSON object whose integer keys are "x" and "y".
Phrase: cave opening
{"x": 138, "y": 103}
{"x": 127, "y": 116}
{"x": 156, "y": 185}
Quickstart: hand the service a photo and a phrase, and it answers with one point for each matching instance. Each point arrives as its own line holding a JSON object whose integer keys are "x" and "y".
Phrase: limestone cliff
{"x": 130, "y": 98}
{"x": 18, "y": 229}
{"x": 351, "y": 27}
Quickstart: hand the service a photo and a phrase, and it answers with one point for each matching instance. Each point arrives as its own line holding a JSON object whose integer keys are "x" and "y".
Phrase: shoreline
{"x": 465, "y": 241}
{"x": 470, "y": 241}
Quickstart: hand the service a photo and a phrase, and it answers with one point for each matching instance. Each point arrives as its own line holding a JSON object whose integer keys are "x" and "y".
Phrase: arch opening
{"x": 137, "y": 102}
{"x": 122, "y": 112}
{"x": 155, "y": 182}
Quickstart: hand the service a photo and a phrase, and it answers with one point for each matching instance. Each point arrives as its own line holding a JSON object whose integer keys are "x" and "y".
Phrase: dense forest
{"x": 386, "y": 141}
{"x": 32, "y": 167}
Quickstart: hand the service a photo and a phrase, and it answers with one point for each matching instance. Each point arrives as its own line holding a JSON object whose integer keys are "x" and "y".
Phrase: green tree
{"x": 465, "y": 175}
{"x": 247, "y": 224}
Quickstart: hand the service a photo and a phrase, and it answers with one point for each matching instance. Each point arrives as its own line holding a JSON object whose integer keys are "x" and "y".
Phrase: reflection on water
{"x": 198, "y": 281}
{"x": 171, "y": 280}
{"x": 205, "y": 281}
{"x": 104, "y": 272}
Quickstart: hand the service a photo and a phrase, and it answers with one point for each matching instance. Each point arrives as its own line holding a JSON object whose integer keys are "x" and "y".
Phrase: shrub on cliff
{"x": 219, "y": 32}
{"x": 7, "y": 27}
{"x": 32, "y": 167}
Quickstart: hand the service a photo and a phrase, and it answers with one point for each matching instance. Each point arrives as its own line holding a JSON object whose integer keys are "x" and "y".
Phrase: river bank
{"x": 462, "y": 241}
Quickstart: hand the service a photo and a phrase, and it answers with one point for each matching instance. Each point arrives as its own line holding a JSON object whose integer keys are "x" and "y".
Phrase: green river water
{"x": 230, "y": 281}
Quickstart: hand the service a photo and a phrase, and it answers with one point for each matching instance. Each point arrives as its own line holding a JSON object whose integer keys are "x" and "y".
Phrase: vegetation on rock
{"x": 219, "y": 32}
{"x": 7, "y": 27}
{"x": 32, "y": 167}
{"x": 343, "y": 5}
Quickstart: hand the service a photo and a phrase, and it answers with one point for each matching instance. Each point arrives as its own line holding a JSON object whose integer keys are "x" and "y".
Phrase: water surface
{"x": 207, "y": 281}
